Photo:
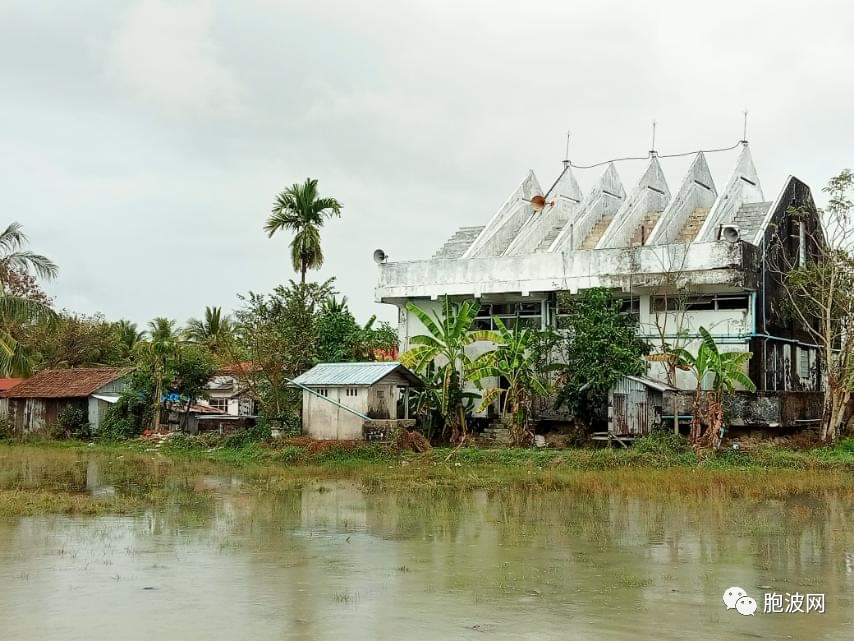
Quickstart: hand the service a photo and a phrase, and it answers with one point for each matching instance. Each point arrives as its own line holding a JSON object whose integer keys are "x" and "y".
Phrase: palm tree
{"x": 13, "y": 258}
{"x": 162, "y": 330}
{"x": 128, "y": 335}
{"x": 159, "y": 351}
{"x": 445, "y": 347}
{"x": 15, "y": 311}
{"x": 717, "y": 373}
{"x": 333, "y": 306}
{"x": 515, "y": 361}
{"x": 214, "y": 330}
{"x": 300, "y": 210}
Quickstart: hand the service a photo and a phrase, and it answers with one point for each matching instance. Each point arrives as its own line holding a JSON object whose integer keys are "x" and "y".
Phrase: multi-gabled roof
{"x": 610, "y": 239}
{"x": 67, "y": 383}
{"x": 609, "y": 219}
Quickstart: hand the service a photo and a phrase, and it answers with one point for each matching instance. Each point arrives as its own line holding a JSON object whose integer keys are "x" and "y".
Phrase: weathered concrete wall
{"x": 603, "y": 200}
{"x": 715, "y": 263}
{"x": 567, "y": 197}
{"x": 507, "y": 221}
{"x": 324, "y": 420}
{"x": 651, "y": 194}
{"x": 697, "y": 191}
{"x": 742, "y": 187}
{"x": 765, "y": 409}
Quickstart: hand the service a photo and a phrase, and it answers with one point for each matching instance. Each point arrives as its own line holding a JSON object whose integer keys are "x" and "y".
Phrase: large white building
{"x": 684, "y": 258}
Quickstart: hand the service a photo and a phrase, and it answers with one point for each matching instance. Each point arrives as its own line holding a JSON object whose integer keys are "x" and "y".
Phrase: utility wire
{"x": 649, "y": 155}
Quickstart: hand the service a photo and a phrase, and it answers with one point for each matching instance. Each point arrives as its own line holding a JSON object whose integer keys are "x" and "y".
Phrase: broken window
{"x": 804, "y": 362}
{"x": 630, "y": 305}
{"x": 700, "y": 303}
{"x": 739, "y": 301}
{"x": 529, "y": 314}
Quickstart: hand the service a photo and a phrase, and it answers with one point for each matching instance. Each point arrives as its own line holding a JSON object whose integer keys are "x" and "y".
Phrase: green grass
{"x": 659, "y": 466}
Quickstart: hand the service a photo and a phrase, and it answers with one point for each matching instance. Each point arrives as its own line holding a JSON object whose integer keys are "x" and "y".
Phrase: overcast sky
{"x": 143, "y": 141}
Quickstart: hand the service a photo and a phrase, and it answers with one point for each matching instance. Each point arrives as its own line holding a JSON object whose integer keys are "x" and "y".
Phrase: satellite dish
{"x": 730, "y": 233}
{"x": 539, "y": 203}
{"x": 380, "y": 256}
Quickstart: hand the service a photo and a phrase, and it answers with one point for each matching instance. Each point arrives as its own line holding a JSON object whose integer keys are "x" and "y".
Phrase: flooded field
{"x": 217, "y": 553}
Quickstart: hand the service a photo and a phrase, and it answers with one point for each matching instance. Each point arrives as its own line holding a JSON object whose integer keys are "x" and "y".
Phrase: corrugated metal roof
{"x": 107, "y": 398}
{"x": 657, "y": 385}
{"x": 351, "y": 373}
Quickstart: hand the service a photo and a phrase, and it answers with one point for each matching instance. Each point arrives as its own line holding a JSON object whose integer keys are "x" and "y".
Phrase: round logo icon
{"x": 746, "y": 606}
{"x": 732, "y": 595}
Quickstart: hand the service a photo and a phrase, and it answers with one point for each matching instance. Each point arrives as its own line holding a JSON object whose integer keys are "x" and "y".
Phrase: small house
{"x": 343, "y": 400}
{"x": 229, "y": 392}
{"x": 635, "y": 406}
{"x": 37, "y": 402}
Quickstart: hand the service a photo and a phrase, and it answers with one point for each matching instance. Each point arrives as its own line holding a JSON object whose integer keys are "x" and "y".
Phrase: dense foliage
{"x": 163, "y": 369}
{"x": 341, "y": 338}
{"x": 717, "y": 373}
{"x": 75, "y": 340}
{"x": 596, "y": 346}
{"x": 515, "y": 361}
{"x": 442, "y": 352}
{"x": 286, "y": 332}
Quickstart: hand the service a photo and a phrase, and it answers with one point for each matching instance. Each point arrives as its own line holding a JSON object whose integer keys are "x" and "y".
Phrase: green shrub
{"x": 347, "y": 453}
{"x": 291, "y": 454}
{"x": 71, "y": 422}
{"x": 255, "y": 434}
{"x": 7, "y": 429}
{"x": 125, "y": 419}
{"x": 662, "y": 442}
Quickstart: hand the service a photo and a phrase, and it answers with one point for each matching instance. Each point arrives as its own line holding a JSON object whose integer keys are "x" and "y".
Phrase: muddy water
{"x": 227, "y": 559}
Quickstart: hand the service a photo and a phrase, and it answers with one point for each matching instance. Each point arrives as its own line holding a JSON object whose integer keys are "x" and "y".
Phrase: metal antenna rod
{"x": 566, "y": 152}
{"x": 652, "y": 151}
{"x": 744, "y": 133}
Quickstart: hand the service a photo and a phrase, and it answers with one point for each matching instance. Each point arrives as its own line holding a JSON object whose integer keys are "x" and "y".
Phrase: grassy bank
{"x": 51, "y": 476}
{"x": 662, "y": 451}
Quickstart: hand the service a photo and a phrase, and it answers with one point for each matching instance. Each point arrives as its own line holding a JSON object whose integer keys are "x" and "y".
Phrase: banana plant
{"x": 515, "y": 361}
{"x": 726, "y": 371}
{"x": 444, "y": 346}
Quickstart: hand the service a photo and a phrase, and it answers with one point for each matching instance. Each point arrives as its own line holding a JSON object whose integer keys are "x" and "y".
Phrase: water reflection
{"x": 330, "y": 560}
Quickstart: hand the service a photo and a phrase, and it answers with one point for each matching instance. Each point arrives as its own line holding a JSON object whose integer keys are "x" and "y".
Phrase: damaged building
{"x": 680, "y": 260}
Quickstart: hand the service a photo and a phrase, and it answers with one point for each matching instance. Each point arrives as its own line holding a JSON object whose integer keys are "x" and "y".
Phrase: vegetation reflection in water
{"x": 336, "y": 556}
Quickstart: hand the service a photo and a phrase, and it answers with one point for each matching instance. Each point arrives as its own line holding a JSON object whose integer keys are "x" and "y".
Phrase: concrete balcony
{"x": 718, "y": 265}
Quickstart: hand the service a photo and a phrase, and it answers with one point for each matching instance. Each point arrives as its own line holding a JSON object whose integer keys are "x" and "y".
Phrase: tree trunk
{"x": 696, "y": 419}
{"x": 158, "y": 392}
{"x": 834, "y": 413}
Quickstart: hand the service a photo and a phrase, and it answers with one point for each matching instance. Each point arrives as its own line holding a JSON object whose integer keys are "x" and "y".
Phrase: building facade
{"x": 680, "y": 260}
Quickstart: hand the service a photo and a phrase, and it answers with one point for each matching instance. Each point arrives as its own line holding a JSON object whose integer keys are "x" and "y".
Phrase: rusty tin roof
{"x": 67, "y": 383}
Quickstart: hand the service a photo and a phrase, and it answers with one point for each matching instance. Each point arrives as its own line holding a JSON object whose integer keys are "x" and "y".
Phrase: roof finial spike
{"x": 566, "y": 152}
{"x": 652, "y": 152}
{"x": 744, "y": 131}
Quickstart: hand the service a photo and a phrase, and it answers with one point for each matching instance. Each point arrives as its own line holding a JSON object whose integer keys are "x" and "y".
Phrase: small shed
{"x": 338, "y": 399}
{"x": 36, "y": 403}
{"x": 635, "y": 405}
